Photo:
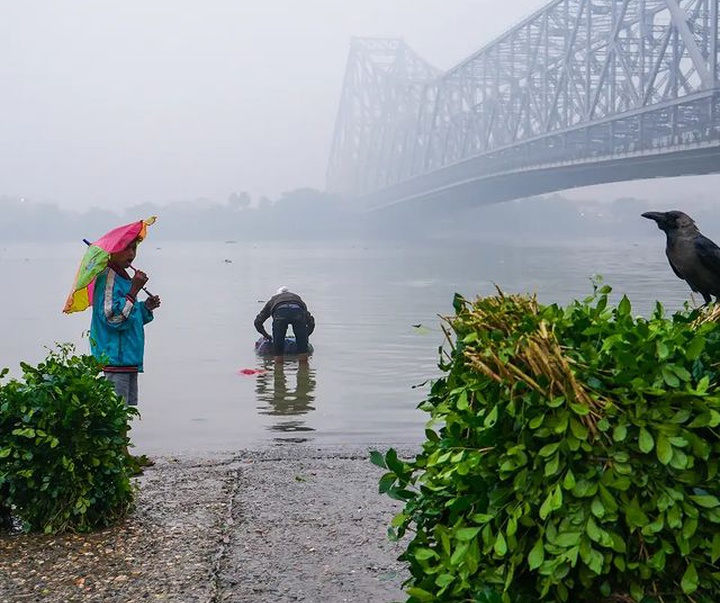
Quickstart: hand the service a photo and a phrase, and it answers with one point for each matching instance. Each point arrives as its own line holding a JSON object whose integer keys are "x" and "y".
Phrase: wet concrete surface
{"x": 281, "y": 525}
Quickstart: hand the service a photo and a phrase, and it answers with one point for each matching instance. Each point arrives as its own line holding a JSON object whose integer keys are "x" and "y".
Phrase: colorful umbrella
{"x": 96, "y": 260}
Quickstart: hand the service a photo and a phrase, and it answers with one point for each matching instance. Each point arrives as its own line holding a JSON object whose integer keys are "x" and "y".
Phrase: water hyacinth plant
{"x": 571, "y": 455}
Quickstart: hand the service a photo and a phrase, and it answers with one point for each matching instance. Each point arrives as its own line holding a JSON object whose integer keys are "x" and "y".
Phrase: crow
{"x": 693, "y": 257}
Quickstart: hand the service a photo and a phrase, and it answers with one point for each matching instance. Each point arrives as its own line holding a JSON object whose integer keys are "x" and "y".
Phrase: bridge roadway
{"x": 595, "y": 154}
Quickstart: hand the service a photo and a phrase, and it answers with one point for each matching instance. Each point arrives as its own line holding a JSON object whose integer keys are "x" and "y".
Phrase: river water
{"x": 371, "y": 361}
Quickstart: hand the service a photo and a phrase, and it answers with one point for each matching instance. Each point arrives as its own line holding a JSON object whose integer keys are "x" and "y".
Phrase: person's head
{"x": 124, "y": 258}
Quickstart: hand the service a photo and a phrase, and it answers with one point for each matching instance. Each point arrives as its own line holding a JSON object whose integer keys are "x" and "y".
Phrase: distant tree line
{"x": 310, "y": 215}
{"x": 299, "y": 214}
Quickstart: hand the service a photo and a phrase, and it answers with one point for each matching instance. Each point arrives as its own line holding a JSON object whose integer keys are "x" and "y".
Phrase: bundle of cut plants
{"x": 571, "y": 455}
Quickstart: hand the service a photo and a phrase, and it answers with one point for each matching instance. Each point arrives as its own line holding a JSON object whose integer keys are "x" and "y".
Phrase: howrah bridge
{"x": 581, "y": 92}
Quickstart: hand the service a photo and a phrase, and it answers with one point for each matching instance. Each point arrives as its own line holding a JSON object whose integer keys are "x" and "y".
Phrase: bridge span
{"x": 581, "y": 92}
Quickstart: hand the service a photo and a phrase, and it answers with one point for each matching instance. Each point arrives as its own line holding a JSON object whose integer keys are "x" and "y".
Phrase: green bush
{"x": 571, "y": 455}
{"x": 63, "y": 464}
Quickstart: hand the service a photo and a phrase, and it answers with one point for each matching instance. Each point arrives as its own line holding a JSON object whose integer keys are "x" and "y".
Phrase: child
{"x": 117, "y": 330}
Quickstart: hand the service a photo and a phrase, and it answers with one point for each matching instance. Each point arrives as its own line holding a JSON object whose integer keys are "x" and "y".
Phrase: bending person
{"x": 286, "y": 308}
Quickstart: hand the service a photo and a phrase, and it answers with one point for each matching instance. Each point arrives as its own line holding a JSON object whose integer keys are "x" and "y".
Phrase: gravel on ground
{"x": 292, "y": 524}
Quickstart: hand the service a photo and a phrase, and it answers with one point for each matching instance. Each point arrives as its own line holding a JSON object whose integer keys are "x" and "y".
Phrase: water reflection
{"x": 287, "y": 391}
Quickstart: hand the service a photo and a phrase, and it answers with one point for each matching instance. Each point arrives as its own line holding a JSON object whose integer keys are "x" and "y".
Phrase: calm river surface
{"x": 361, "y": 385}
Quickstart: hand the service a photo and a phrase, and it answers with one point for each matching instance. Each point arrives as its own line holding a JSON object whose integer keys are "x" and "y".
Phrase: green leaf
{"x": 394, "y": 464}
{"x": 608, "y": 500}
{"x": 593, "y": 531}
{"x": 706, "y": 501}
{"x": 423, "y": 554}
{"x": 377, "y": 458}
{"x": 500, "y": 546}
{"x": 459, "y": 553}
{"x": 547, "y": 506}
{"x": 555, "y": 402}
{"x": 674, "y": 517}
{"x": 592, "y": 558}
{"x": 578, "y": 429}
{"x": 634, "y": 515}
{"x": 664, "y": 450}
{"x": 646, "y": 441}
{"x": 569, "y": 480}
{"x": 548, "y": 449}
{"x": 715, "y": 549}
{"x": 536, "y": 422}
{"x": 386, "y": 482}
{"x": 620, "y": 433}
{"x": 597, "y": 508}
{"x": 551, "y": 467}
{"x": 420, "y": 594}
{"x": 662, "y": 349}
{"x": 682, "y": 373}
{"x": 695, "y": 348}
{"x": 568, "y": 539}
{"x": 491, "y": 419}
{"x": 465, "y": 534}
{"x": 703, "y": 385}
{"x": 714, "y": 418}
{"x": 679, "y": 459}
{"x": 670, "y": 377}
{"x": 624, "y": 307}
{"x": 444, "y": 580}
{"x": 579, "y": 409}
{"x": 689, "y": 582}
{"x": 537, "y": 554}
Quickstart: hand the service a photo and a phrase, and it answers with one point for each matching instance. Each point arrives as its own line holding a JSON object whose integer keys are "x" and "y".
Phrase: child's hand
{"x": 139, "y": 279}
{"x": 152, "y": 302}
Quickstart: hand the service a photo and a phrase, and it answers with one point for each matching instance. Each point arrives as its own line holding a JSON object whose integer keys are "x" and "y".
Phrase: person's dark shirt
{"x": 288, "y": 297}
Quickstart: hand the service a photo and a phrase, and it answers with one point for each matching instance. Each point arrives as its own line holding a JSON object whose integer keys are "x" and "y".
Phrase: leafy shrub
{"x": 63, "y": 464}
{"x": 571, "y": 455}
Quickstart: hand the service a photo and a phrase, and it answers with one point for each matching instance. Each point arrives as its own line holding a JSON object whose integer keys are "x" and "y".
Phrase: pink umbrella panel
{"x": 96, "y": 259}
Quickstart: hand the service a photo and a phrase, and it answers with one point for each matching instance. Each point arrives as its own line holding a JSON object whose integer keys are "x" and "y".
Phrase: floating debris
{"x": 251, "y": 372}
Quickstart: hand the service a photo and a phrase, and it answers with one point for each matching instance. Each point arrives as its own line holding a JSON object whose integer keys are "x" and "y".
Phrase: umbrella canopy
{"x": 96, "y": 259}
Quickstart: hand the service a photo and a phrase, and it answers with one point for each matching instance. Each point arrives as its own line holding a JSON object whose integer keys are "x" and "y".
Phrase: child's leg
{"x": 126, "y": 387}
{"x": 121, "y": 383}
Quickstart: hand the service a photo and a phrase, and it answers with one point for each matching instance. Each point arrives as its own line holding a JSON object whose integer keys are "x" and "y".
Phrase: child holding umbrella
{"x": 117, "y": 328}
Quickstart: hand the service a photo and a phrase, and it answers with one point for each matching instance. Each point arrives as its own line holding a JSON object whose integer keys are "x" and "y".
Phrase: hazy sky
{"x": 120, "y": 103}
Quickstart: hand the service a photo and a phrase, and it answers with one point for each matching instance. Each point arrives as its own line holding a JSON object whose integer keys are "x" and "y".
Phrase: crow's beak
{"x": 658, "y": 216}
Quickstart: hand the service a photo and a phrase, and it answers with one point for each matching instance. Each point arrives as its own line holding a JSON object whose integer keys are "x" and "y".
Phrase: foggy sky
{"x": 115, "y": 104}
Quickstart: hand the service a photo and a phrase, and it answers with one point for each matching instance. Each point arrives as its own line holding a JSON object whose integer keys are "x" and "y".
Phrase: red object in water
{"x": 251, "y": 372}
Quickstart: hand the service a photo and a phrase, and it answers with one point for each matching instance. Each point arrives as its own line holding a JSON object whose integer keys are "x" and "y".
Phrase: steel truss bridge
{"x": 581, "y": 92}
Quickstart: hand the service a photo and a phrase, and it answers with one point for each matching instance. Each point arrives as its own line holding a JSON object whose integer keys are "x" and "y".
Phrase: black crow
{"x": 692, "y": 256}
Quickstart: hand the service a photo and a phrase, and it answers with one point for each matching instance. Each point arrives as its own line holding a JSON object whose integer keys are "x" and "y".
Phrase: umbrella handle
{"x": 88, "y": 243}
